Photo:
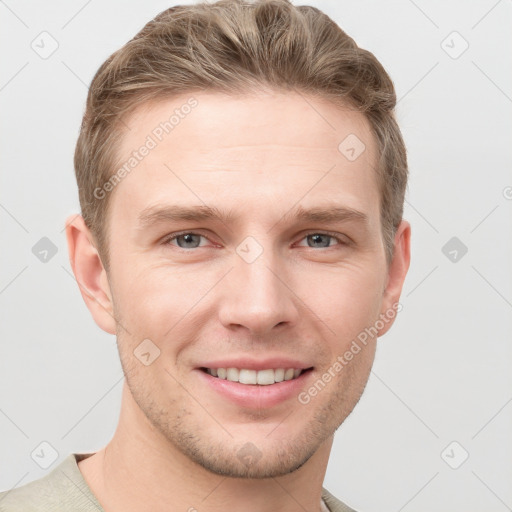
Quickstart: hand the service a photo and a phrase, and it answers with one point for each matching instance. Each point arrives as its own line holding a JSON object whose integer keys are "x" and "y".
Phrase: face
{"x": 246, "y": 244}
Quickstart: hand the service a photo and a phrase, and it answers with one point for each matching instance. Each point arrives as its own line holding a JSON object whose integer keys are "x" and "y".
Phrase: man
{"x": 241, "y": 178}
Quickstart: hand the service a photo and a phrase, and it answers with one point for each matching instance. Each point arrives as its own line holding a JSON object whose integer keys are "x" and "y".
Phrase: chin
{"x": 247, "y": 455}
{"x": 249, "y": 463}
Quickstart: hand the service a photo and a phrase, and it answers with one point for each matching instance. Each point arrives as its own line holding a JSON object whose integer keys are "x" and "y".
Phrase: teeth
{"x": 232, "y": 374}
{"x": 265, "y": 377}
{"x": 248, "y": 377}
{"x": 261, "y": 377}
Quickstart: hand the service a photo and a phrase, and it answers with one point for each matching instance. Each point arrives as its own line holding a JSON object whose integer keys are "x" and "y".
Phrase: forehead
{"x": 209, "y": 120}
{"x": 205, "y": 147}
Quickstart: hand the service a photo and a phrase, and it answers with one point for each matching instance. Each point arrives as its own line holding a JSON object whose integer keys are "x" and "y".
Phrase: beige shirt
{"x": 65, "y": 490}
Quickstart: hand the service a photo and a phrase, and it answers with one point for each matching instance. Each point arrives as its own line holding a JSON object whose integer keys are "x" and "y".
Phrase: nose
{"x": 258, "y": 297}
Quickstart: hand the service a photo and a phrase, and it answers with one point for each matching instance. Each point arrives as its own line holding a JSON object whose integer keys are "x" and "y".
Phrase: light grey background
{"x": 442, "y": 373}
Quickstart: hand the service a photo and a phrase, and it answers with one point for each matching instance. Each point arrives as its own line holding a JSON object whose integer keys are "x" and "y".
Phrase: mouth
{"x": 256, "y": 385}
{"x": 264, "y": 377}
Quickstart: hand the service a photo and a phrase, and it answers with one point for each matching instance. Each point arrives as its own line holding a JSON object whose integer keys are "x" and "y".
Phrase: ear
{"x": 396, "y": 275}
{"x": 90, "y": 273}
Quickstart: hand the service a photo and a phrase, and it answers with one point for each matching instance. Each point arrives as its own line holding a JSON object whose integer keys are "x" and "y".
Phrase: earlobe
{"x": 396, "y": 275}
{"x": 89, "y": 273}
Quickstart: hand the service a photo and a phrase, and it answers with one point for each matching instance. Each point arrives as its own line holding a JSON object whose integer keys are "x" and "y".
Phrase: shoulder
{"x": 333, "y": 503}
{"x": 61, "y": 490}
{"x": 34, "y": 496}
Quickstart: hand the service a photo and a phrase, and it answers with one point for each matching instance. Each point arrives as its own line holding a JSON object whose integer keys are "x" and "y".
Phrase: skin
{"x": 259, "y": 156}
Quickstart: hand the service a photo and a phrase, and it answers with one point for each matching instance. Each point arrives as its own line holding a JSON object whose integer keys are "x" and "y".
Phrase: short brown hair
{"x": 237, "y": 46}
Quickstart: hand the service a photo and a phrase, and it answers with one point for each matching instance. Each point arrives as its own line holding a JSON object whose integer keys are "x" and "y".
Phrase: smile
{"x": 260, "y": 377}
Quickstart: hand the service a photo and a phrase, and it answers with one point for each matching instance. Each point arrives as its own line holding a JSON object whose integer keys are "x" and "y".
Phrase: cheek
{"x": 141, "y": 288}
{"x": 347, "y": 300}
{"x": 151, "y": 299}
{"x": 159, "y": 303}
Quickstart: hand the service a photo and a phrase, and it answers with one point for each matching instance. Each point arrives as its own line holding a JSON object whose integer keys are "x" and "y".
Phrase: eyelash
{"x": 169, "y": 239}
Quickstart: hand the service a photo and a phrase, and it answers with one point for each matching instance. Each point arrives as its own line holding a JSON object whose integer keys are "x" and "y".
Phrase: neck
{"x": 141, "y": 470}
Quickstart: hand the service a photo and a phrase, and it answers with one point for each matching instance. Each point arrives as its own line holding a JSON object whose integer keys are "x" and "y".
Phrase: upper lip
{"x": 253, "y": 364}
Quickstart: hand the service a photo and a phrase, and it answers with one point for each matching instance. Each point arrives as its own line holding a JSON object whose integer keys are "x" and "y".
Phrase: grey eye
{"x": 317, "y": 239}
{"x": 190, "y": 240}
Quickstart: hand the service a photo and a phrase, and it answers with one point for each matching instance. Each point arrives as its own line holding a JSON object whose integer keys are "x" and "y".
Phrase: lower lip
{"x": 256, "y": 396}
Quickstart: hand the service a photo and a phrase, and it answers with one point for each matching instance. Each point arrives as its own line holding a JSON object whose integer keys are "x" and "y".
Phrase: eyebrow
{"x": 176, "y": 213}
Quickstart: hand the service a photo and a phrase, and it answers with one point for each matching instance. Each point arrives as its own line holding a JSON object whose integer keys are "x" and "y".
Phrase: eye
{"x": 190, "y": 240}
{"x": 186, "y": 240}
{"x": 323, "y": 240}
